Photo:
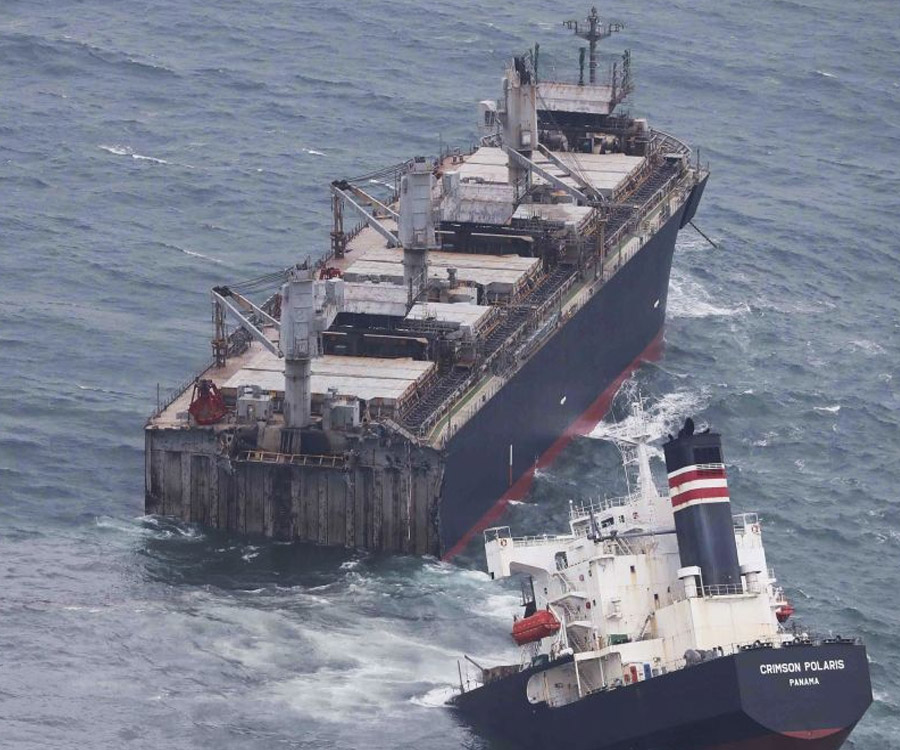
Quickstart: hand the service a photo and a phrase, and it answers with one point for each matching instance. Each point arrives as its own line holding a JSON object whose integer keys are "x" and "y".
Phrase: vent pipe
{"x": 520, "y": 123}
{"x": 416, "y": 225}
{"x": 299, "y": 344}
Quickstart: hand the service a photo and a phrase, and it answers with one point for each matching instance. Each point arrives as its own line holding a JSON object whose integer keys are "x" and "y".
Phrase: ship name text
{"x": 802, "y": 668}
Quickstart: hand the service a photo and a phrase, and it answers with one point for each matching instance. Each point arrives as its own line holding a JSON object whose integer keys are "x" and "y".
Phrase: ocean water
{"x": 149, "y": 150}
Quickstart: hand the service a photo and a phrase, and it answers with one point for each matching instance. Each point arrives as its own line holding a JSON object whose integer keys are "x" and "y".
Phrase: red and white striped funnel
{"x": 698, "y": 489}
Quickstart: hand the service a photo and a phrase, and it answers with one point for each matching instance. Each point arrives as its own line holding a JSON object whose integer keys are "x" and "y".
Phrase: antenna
{"x": 593, "y": 29}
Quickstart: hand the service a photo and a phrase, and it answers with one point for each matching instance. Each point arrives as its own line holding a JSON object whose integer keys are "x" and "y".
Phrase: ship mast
{"x": 593, "y": 29}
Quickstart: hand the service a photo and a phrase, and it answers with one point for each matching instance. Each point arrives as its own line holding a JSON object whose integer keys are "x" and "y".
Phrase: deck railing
{"x": 164, "y": 402}
{"x": 294, "y": 459}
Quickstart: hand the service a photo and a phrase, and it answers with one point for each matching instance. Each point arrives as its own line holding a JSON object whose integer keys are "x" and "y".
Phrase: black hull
{"x": 724, "y": 704}
{"x": 564, "y": 390}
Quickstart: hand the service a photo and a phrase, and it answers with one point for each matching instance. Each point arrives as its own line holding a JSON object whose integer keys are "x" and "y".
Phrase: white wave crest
{"x": 313, "y": 152}
{"x": 830, "y": 409}
{"x": 195, "y": 254}
{"x": 435, "y": 698}
{"x": 141, "y": 157}
{"x": 689, "y": 299}
{"x": 147, "y": 526}
{"x": 123, "y": 527}
{"x": 128, "y": 151}
{"x": 117, "y": 150}
{"x": 661, "y": 418}
{"x": 868, "y": 347}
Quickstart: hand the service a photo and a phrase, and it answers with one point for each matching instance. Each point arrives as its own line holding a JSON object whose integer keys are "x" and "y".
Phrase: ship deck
{"x": 511, "y": 300}
{"x": 385, "y": 385}
{"x": 609, "y": 174}
{"x": 370, "y": 260}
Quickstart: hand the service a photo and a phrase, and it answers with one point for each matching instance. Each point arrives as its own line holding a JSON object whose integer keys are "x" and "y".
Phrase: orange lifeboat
{"x": 539, "y": 625}
{"x": 784, "y": 612}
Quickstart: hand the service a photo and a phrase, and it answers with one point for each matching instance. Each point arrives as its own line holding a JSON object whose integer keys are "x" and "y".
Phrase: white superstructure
{"x": 627, "y": 609}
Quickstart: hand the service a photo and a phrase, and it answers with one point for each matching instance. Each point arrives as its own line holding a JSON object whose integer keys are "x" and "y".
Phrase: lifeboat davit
{"x": 539, "y": 625}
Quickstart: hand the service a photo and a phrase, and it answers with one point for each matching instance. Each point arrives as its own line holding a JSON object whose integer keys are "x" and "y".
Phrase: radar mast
{"x": 593, "y": 29}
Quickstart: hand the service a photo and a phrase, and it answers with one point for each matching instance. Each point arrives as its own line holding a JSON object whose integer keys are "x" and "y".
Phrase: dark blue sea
{"x": 149, "y": 150}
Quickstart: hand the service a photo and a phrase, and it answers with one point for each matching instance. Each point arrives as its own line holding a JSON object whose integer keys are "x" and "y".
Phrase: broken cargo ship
{"x": 476, "y": 315}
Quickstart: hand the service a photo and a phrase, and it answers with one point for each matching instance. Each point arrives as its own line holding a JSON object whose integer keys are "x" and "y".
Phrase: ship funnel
{"x": 698, "y": 490}
{"x": 299, "y": 344}
{"x": 416, "y": 224}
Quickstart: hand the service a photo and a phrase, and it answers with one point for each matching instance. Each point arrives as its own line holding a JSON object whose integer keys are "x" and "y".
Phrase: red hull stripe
{"x": 694, "y": 474}
{"x": 700, "y": 493}
{"x": 580, "y": 427}
{"x": 812, "y": 734}
{"x": 829, "y": 739}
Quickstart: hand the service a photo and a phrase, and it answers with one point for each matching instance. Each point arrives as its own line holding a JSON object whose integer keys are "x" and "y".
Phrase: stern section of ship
{"x": 799, "y": 698}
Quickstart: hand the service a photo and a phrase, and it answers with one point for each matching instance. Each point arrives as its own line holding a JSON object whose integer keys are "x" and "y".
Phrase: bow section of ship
{"x": 472, "y": 313}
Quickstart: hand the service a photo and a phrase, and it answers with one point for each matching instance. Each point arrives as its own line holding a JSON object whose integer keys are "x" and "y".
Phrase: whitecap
{"x": 765, "y": 440}
{"x": 659, "y": 419}
{"x": 690, "y": 244}
{"x": 313, "y": 152}
{"x": 195, "y": 254}
{"x": 869, "y": 347}
{"x": 825, "y": 74}
{"x": 153, "y": 159}
{"x": 189, "y": 532}
{"x": 689, "y": 299}
{"x": 127, "y": 527}
{"x": 436, "y": 697}
{"x": 192, "y": 253}
{"x": 882, "y": 696}
{"x": 476, "y": 575}
{"x": 117, "y": 150}
{"x": 830, "y": 409}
